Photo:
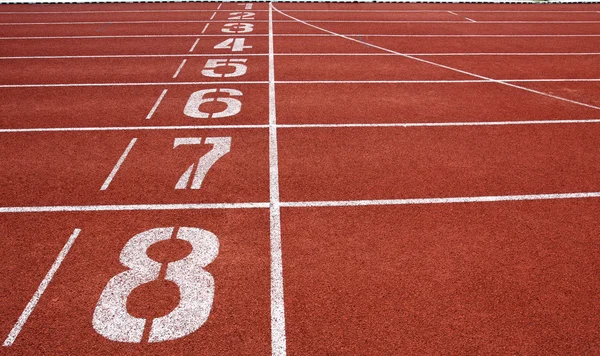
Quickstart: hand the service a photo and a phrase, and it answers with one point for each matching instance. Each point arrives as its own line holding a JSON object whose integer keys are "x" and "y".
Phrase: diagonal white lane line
{"x": 10, "y": 339}
{"x": 160, "y": 98}
{"x": 278, "y": 338}
{"x": 117, "y": 166}
{"x": 440, "y": 65}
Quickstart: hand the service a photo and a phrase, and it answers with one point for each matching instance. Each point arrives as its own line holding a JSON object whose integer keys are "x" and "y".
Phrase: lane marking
{"x": 436, "y": 54}
{"x": 278, "y": 337}
{"x": 471, "y": 19}
{"x": 194, "y": 45}
{"x": 118, "y": 165}
{"x": 10, "y": 339}
{"x": 134, "y": 128}
{"x": 132, "y": 207}
{"x": 213, "y": 15}
{"x": 298, "y": 35}
{"x": 218, "y": 7}
{"x": 421, "y": 201}
{"x": 125, "y": 84}
{"x": 288, "y": 21}
{"x": 300, "y": 126}
{"x": 205, "y": 27}
{"x": 156, "y": 104}
{"x": 179, "y": 68}
{"x": 300, "y": 204}
{"x": 441, "y": 81}
{"x": 296, "y": 10}
{"x": 453, "y": 13}
{"x": 444, "y": 66}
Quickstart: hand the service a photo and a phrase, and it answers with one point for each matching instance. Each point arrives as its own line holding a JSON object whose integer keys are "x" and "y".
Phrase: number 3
{"x": 196, "y": 287}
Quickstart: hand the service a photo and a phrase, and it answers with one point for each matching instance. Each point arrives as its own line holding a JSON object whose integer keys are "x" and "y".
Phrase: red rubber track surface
{"x": 389, "y": 178}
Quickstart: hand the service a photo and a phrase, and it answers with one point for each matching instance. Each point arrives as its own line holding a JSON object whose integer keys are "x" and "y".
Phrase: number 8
{"x": 196, "y": 287}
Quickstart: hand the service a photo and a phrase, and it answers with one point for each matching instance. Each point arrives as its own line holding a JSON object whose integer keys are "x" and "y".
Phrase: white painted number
{"x": 196, "y": 287}
{"x": 192, "y": 108}
{"x": 235, "y": 44}
{"x": 221, "y": 146}
{"x": 236, "y": 63}
{"x": 238, "y": 15}
{"x": 246, "y": 6}
{"x": 238, "y": 27}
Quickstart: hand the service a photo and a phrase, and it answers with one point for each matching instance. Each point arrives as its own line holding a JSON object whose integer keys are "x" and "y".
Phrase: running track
{"x": 305, "y": 178}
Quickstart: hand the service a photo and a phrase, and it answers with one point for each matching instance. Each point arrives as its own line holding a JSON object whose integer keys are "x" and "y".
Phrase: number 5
{"x": 192, "y": 108}
{"x": 236, "y": 63}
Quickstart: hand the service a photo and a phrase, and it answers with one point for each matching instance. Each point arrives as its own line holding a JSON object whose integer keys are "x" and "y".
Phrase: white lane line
{"x": 133, "y": 128}
{"x": 205, "y": 27}
{"x": 156, "y": 104}
{"x": 298, "y": 10}
{"x": 288, "y": 21}
{"x": 302, "y": 35}
{"x": 118, "y": 165}
{"x": 278, "y": 338}
{"x": 433, "y": 54}
{"x": 40, "y": 290}
{"x": 469, "y": 19}
{"x": 453, "y": 13}
{"x": 300, "y": 204}
{"x": 302, "y": 126}
{"x": 125, "y": 84}
{"x": 194, "y": 45}
{"x": 218, "y": 7}
{"x": 442, "y": 81}
{"x": 419, "y": 201}
{"x": 179, "y": 68}
{"x": 213, "y": 15}
{"x": 133, "y": 207}
{"x": 445, "y": 66}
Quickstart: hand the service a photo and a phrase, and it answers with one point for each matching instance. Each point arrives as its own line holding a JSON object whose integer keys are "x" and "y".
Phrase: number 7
{"x": 221, "y": 146}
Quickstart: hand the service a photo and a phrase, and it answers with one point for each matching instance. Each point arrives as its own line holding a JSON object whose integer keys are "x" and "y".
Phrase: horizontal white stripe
{"x": 441, "y": 81}
{"x": 301, "y": 126}
{"x": 290, "y": 21}
{"x": 134, "y": 207}
{"x": 449, "y": 54}
{"x": 303, "y": 204}
{"x": 303, "y": 35}
{"x": 420, "y": 201}
{"x": 299, "y": 10}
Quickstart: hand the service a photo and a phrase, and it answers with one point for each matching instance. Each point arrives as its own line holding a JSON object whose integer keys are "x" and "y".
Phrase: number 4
{"x": 235, "y": 44}
{"x": 221, "y": 146}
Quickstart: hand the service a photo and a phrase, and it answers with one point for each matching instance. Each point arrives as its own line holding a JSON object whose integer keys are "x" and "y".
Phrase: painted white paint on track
{"x": 131, "y": 207}
{"x": 301, "y": 82}
{"x": 432, "y": 54}
{"x": 40, "y": 290}
{"x": 303, "y": 126}
{"x": 296, "y": 10}
{"x": 443, "y": 66}
{"x": 454, "y": 200}
{"x": 156, "y": 104}
{"x": 117, "y": 166}
{"x": 300, "y": 35}
{"x": 179, "y": 68}
{"x": 302, "y": 204}
{"x": 288, "y": 21}
{"x": 278, "y": 337}
{"x": 194, "y": 45}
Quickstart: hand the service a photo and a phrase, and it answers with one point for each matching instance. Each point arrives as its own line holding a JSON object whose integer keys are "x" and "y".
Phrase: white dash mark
{"x": 453, "y": 13}
{"x": 41, "y": 288}
{"x": 470, "y": 19}
{"x": 213, "y": 15}
{"x": 194, "y": 45}
{"x": 218, "y": 7}
{"x": 205, "y": 27}
{"x": 118, "y": 165}
{"x": 160, "y": 98}
{"x": 278, "y": 338}
{"x": 179, "y": 68}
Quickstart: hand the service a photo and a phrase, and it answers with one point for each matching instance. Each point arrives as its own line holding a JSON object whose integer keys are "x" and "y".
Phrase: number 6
{"x": 192, "y": 108}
